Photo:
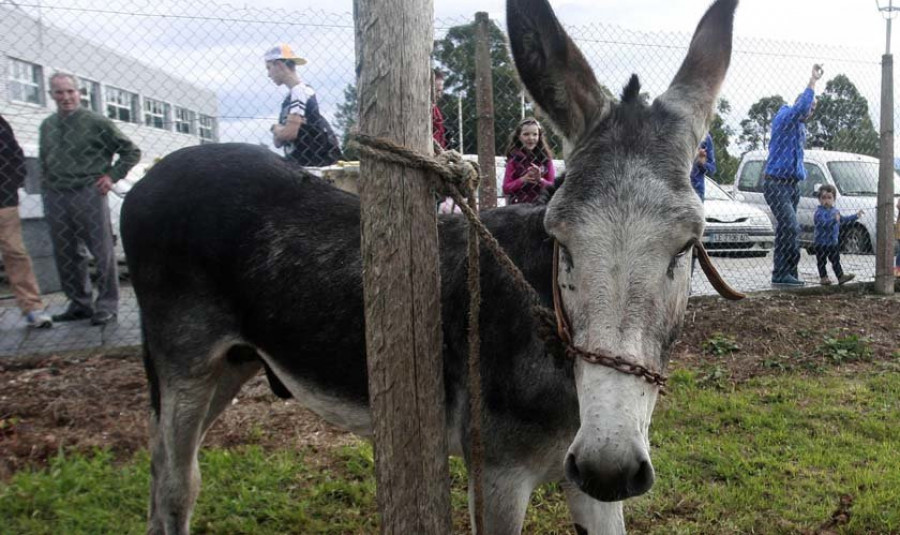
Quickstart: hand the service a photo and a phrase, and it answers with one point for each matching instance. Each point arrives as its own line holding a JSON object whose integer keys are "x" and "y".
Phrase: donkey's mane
{"x": 632, "y": 92}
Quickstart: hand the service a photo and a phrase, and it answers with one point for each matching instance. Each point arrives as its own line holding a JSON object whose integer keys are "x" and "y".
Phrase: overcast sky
{"x": 846, "y": 22}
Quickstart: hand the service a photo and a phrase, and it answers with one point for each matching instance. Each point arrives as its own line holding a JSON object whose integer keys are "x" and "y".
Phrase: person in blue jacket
{"x": 784, "y": 170}
{"x": 828, "y": 221}
{"x": 704, "y": 165}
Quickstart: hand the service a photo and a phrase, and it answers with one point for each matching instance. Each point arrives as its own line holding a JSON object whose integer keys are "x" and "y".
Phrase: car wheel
{"x": 855, "y": 241}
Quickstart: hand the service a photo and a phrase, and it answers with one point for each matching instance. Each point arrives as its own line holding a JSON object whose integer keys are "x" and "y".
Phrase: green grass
{"x": 771, "y": 456}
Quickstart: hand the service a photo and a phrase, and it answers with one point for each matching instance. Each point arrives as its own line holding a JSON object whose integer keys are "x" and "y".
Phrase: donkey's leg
{"x": 189, "y": 396}
{"x": 593, "y": 517}
{"x": 506, "y": 494}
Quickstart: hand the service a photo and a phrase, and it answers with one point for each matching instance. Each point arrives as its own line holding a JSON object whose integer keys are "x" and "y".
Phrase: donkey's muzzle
{"x": 611, "y": 482}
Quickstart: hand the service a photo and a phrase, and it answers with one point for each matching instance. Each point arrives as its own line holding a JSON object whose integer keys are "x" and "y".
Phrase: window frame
{"x": 211, "y": 138}
{"x": 190, "y": 120}
{"x": 36, "y": 82}
{"x": 156, "y": 113}
{"x": 90, "y": 94}
{"x": 107, "y": 102}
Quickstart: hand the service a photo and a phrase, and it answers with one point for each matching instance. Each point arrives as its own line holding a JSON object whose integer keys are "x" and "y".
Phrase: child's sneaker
{"x": 38, "y": 320}
{"x": 846, "y": 277}
{"x": 825, "y": 281}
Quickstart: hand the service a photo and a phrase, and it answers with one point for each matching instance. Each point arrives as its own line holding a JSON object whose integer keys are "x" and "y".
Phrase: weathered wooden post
{"x": 400, "y": 269}
{"x": 484, "y": 92}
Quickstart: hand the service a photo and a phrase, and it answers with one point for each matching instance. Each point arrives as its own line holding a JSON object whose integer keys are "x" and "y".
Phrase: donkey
{"x": 242, "y": 263}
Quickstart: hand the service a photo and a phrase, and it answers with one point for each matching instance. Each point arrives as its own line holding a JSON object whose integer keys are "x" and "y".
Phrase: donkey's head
{"x": 626, "y": 219}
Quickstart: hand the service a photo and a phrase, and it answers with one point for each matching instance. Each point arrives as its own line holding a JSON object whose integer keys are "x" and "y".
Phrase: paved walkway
{"x": 16, "y": 338}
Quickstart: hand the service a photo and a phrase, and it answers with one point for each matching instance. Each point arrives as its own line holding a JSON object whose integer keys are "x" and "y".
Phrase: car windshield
{"x": 858, "y": 178}
{"x": 714, "y": 192}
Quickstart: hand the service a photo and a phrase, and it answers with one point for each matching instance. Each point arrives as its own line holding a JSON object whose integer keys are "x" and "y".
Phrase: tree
{"x": 721, "y": 132}
{"x": 455, "y": 54}
{"x": 756, "y": 128}
{"x": 345, "y": 118}
{"x": 841, "y": 120}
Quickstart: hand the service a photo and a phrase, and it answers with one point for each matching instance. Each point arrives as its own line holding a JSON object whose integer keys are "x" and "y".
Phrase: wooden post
{"x": 401, "y": 279}
{"x": 884, "y": 239}
{"x": 484, "y": 92}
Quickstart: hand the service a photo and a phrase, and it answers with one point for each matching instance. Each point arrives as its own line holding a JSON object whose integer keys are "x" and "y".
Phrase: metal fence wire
{"x": 169, "y": 74}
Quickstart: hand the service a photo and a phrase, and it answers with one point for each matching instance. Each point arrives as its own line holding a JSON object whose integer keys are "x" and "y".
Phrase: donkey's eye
{"x": 685, "y": 250}
{"x": 677, "y": 258}
{"x": 566, "y": 257}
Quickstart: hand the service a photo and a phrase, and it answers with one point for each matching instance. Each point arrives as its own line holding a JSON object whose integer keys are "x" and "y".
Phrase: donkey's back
{"x": 230, "y": 246}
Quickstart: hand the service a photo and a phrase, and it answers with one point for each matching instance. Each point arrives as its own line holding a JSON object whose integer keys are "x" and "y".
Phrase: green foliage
{"x": 757, "y": 127}
{"x": 841, "y": 120}
{"x": 850, "y": 348}
{"x": 455, "y": 54}
{"x": 346, "y": 118}
{"x": 721, "y": 132}
{"x": 720, "y": 344}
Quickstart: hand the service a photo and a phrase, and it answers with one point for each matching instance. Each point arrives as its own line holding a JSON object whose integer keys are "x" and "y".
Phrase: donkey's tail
{"x": 152, "y": 378}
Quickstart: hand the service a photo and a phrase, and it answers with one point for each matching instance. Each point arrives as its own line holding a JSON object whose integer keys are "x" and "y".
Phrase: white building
{"x": 159, "y": 112}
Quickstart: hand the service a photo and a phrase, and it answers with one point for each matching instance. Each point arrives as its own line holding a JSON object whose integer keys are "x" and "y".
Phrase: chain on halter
{"x": 453, "y": 172}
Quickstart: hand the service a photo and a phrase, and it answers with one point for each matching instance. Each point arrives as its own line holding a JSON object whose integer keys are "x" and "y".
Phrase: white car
{"x": 855, "y": 176}
{"x": 734, "y": 228}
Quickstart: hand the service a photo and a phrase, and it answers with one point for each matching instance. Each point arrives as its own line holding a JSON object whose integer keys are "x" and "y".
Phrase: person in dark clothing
{"x": 302, "y": 132}
{"x": 77, "y": 149}
{"x": 784, "y": 170}
{"x": 15, "y": 257}
{"x": 828, "y": 221}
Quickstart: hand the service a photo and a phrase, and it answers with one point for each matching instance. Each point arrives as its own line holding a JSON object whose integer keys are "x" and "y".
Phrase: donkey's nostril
{"x": 642, "y": 479}
{"x": 572, "y": 472}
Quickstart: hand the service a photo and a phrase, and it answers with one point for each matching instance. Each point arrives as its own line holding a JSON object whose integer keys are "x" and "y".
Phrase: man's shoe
{"x": 101, "y": 317}
{"x": 825, "y": 281}
{"x": 846, "y": 277}
{"x": 787, "y": 280}
{"x": 37, "y": 319}
{"x": 72, "y": 315}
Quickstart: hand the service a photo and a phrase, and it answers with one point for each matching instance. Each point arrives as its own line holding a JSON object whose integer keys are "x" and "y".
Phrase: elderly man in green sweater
{"x": 77, "y": 148}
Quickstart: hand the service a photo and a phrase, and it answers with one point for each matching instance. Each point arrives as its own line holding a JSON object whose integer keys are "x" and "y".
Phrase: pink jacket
{"x": 515, "y": 187}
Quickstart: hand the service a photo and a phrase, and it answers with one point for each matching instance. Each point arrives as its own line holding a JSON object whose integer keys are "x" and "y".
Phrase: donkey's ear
{"x": 696, "y": 85}
{"x": 552, "y": 68}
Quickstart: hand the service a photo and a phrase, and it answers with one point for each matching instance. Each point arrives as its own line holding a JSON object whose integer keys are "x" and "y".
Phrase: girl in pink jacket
{"x": 529, "y": 164}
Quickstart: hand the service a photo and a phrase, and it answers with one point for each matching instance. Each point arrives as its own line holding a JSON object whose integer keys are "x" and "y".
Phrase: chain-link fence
{"x": 172, "y": 74}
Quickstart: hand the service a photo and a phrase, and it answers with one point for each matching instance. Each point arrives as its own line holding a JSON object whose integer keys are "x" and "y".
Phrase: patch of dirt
{"x": 100, "y": 400}
{"x": 770, "y": 334}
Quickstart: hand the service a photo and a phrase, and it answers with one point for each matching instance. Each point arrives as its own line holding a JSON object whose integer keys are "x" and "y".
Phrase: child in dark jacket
{"x": 529, "y": 163}
{"x": 828, "y": 221}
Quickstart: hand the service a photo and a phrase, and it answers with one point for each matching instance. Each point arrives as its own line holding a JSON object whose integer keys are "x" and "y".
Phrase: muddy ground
{"x": 83, "y": 401}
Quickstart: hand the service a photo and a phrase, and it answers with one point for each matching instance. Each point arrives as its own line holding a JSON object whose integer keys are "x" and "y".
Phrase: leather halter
{"x": 564, "y": 329}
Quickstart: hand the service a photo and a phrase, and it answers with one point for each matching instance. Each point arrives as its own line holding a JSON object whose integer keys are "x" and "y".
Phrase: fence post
{"x": 484, "y": 91}
{"x": 401, "y": 278}
{"x": 884, "y": 241}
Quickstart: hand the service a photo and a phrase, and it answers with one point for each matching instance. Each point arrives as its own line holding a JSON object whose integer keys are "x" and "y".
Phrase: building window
{"x": 121, "y": 104}
{"x": 90, "y": 94}
{"x": 156, "y": 113}
{"x": 26, "y": 82}
{"x": 184, "y": 120}
{"x": 207, "y": 129}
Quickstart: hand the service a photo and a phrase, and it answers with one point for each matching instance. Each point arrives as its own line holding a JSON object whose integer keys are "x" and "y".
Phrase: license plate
{"x": 729, "y": 238}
